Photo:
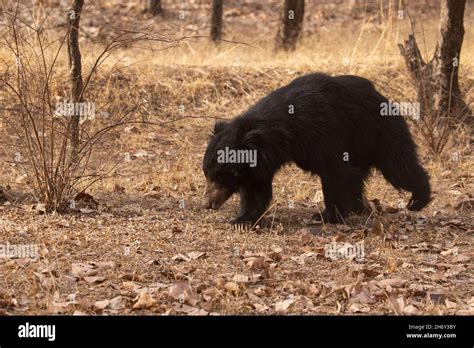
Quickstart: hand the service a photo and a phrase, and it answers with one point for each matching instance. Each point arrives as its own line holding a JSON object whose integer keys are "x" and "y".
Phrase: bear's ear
{"x": 254, "y": 138}
{"x": 220, "y": 126}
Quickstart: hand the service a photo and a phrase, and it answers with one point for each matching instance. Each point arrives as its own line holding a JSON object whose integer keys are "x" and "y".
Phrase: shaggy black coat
{"x": 329, "y": 126}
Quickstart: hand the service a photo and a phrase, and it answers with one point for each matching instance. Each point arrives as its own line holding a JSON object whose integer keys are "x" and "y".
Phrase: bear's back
{"x": 318, "y": 95}
{"x": 301, "y": 93}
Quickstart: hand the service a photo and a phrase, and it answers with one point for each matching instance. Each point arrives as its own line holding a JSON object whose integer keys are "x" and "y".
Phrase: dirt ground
{"x": 146, "y": 246}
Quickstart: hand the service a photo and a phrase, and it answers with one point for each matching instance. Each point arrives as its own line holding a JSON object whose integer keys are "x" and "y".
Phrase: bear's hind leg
{"x": 406, "y": 173}
{"x": 358, "y": 187}
{"x": 358, "y": 206}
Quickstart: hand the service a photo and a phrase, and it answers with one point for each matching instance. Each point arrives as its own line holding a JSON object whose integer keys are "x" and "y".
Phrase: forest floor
{"x": 146, "y": 245}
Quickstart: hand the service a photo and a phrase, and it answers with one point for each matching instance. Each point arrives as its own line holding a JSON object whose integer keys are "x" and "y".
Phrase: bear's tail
{"x": 399, "y": 164}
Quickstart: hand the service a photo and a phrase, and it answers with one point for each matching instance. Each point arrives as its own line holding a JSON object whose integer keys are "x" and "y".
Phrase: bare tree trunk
{"x": 448, "y": 98}
{"x": 74, "y": 53}
{"x": 155, "y": 7}
{"x": 437, "y": 81}
{"x": 216, "y": 20}
{"x": 289, "y": 31}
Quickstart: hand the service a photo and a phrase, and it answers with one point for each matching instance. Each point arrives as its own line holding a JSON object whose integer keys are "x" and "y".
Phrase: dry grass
{"x": 149, "y": 217}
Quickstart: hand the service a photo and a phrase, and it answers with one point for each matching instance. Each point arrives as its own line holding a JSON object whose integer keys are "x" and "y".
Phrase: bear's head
{"x": 229, "y": 162}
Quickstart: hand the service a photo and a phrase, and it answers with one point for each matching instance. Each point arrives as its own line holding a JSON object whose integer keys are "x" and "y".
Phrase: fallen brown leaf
{"x": 144, "y": 300}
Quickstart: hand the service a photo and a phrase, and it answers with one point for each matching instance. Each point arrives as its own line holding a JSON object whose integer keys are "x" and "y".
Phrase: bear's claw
{"x": 242, "y": 226}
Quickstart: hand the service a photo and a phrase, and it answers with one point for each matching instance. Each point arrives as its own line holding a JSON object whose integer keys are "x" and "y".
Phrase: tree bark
{"x": 438, "y": 81}
{"x": 291, "y": 24}
{"x": 75, "y": 67}
{"x": 155, "y": 7}
{"x": 216, "y": 20}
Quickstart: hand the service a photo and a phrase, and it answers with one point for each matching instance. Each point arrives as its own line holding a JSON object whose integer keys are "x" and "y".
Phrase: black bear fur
{"x": 336, "y": 131}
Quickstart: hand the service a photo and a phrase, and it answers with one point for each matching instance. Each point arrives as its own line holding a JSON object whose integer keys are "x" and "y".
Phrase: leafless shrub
{"x": 42, "y": 115}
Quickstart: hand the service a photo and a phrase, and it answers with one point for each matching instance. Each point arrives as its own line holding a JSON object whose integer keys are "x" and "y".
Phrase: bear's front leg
{"x": 338, "y": 198}
{"x": 254, "y": 200}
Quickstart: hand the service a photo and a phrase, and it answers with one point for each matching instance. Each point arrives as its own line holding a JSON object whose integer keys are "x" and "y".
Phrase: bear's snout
{"x": 207, "y": 203}
{"x": 216, "y": 195}
{"x": 211, "y": 205}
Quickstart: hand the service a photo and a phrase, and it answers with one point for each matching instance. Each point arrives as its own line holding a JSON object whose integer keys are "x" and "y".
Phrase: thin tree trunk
{"x": 74, "y": 53}
{"x": 448, "y": 99}
{"x": 216, "y": 20}
{"x": 155, "y": 7}
{"x": 289, "y": 31}
{"x": 438, "y": 81}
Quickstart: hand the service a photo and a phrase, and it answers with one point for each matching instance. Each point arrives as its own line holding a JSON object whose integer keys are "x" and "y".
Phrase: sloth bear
{"x": 329, "y": 126}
